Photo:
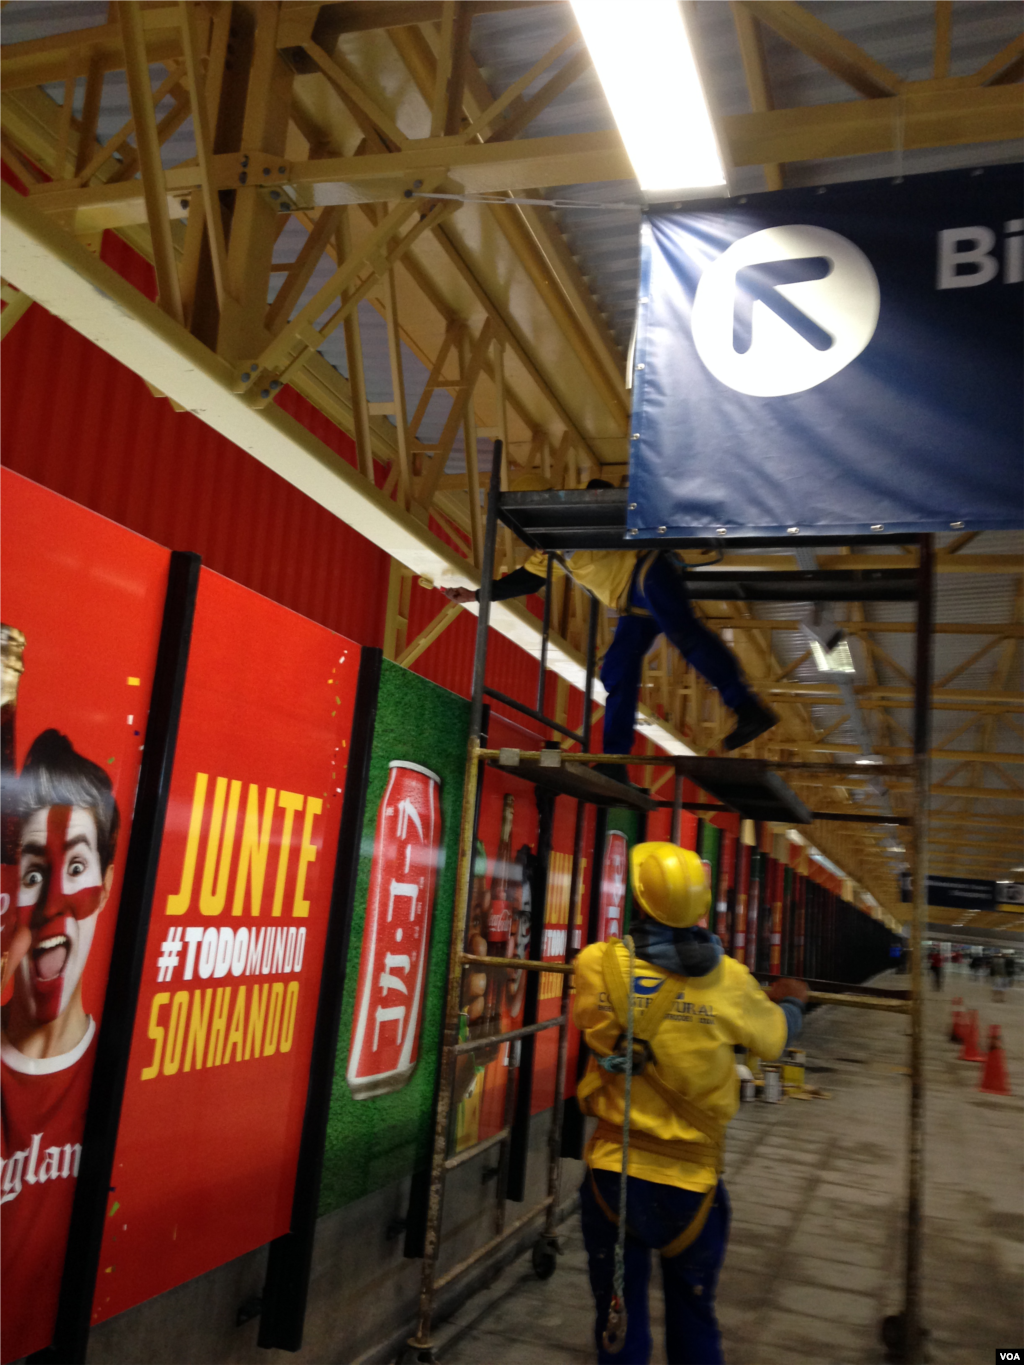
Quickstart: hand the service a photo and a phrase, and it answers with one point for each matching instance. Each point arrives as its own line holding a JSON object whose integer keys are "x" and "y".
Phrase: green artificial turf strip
{"x": 375, "y": 1142}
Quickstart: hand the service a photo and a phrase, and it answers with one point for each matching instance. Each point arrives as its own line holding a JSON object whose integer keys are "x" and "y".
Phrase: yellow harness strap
{"x": 678, "y": 1244}
{"x": 646, "y": 1026}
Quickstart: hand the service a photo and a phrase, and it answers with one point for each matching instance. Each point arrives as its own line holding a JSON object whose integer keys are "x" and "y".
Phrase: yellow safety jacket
{"x": 606, "y": 573}
{"x": 688, "y": 1091}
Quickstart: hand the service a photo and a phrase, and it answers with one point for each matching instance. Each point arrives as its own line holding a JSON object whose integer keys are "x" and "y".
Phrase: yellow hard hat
{"x": 669, "y": 883}
{"x": 530, "y": 483}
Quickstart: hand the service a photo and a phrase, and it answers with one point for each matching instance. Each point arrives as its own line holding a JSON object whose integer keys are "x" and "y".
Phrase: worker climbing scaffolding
{"x": 648, "y": 591}
{"x": 661, "y": 1013}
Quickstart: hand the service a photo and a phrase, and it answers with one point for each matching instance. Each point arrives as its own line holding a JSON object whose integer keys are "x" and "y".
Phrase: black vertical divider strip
{"x": 419, "y": 1188}
{"x": 113, "y": 1046}
{"x": 572, "y": 1118}
{"x": 519, "y": 1139}
{"x": 290, "y": 1260}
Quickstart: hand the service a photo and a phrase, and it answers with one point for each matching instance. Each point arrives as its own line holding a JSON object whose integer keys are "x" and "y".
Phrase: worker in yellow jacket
{"x": 691, "y": 1006}
{"x": 648, "y": 591}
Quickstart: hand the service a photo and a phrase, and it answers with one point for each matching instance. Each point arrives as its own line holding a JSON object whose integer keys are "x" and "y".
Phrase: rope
{"x": 614, "y": 1336}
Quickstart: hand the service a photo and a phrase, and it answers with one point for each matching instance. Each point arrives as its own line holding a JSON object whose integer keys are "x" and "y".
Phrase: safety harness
{"x": 633, "y": 1056}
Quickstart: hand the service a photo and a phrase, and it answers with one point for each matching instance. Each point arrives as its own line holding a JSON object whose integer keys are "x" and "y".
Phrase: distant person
{"x": 648, "y": 590}
{"x": 997, "y": 975}
{"x": 935, "y": 967}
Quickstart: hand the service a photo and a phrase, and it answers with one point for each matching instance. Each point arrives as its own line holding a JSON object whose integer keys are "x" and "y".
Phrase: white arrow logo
{"x": 784, "y": 309}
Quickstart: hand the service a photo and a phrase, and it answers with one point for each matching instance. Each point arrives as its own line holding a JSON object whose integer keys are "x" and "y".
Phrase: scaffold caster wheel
{"x": 545, "y": 1257}
{"x": 894, "y": 1338}
{"x": 417, "y": 1355}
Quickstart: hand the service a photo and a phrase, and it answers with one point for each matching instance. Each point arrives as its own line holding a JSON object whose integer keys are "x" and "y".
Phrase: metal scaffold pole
{"x": 421, "y": 1344}
{"x": 913, "y": 1343}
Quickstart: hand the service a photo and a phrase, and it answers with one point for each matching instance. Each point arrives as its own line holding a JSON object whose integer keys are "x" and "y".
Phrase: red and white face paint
{"x": 60, "y": 892}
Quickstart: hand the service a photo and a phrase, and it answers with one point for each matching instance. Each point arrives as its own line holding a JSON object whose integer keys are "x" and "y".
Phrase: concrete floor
{"x": 817, "y": 1187}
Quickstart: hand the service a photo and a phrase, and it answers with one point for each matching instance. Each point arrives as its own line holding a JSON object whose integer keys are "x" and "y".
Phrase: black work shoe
{"x": 751, "y": 720}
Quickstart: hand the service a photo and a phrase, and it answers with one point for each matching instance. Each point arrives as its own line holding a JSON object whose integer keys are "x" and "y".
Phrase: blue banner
{"x": 840, "y": 359}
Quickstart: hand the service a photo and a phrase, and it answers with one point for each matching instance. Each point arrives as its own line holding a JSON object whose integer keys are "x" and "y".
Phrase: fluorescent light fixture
{"x": 868, "y": 761}
{"x": 838, "y": 660}
{"x": 646, "y": 65}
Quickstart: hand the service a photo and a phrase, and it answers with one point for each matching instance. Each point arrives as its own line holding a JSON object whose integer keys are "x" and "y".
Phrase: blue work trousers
{"x": 663, "y": 595}
{"x": 656, "y": 1215}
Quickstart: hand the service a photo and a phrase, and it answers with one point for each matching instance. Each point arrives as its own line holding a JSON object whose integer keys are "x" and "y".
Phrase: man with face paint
{"x": 69, "y": 826}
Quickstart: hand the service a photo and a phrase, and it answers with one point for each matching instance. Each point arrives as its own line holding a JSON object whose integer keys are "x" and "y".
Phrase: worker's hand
{"x": 460, "y": 594}
{"x": 788, "y": 988}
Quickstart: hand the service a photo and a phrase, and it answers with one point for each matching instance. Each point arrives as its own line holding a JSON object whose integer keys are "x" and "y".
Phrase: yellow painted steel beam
{"x": 66, "y": 279}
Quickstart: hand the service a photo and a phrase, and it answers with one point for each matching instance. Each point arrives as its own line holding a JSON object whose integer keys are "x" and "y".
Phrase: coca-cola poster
{"x": 507, "y": 872}
{"x": 208, "y": 1145}
{"x": 380, "y": 1128}
{"x": 82, "y": 604}
{"x": 614, "y": 884}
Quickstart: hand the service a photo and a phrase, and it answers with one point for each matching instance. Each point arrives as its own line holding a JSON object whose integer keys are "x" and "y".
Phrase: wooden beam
{"x": 203, "y": 131}
{"x": 44, "y": 61}
{"x": 469, "y": 432}
{"x": 398, "y": 390}
{"x": 1005, "y": 66}
{"x": 361, "y": 16}
{"x": 570, "y": 158}
{"x": 464, "y": 396}
{"x": 554, "y": 86}
{"x": 302, "y": 268}
{"x": 242, "y": 335}
{"x": 428, "y": 635}
{"x": 943, "y": 33}
{"x": 827, "y": 47}
{"x": 14, "y": 309}
{"x": 1003, "y": 630}
{"x": 154, "y": 188}
{"x": 343, "y": 77}
{"x": 482, "y": 123}
{"x": 90, "y": 114}
{"x": 943, "y": 118}
{"x": 748, "y": 32}
{"x": 354, "y": 356}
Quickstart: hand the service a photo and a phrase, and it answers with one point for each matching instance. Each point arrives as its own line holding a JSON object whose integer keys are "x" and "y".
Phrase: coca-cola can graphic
{"x": 614, "y": 875}
{"x": 396, "y": 936}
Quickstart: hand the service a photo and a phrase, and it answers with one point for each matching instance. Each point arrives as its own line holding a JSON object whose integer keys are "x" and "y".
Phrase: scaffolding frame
{"x": 902, "y": 1332}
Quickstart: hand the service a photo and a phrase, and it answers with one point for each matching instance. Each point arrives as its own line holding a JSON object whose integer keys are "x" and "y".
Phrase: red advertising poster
{"x": 502, "y": 923}
{"x": 212, "y": 1119}
{"x": 614, "y": 881}
{"x": 559, "y": 923}
{"x": 396, "y": 937}
{"x": 82, "y": 607}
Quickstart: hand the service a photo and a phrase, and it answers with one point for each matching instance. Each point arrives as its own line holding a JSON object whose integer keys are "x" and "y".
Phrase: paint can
{"x": 771, "y": 1092}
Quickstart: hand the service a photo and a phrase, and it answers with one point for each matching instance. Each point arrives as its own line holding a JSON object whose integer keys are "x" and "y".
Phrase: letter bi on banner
{"x": 843, "y": 359}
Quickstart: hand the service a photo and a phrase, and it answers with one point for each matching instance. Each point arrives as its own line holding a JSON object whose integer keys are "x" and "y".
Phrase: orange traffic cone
{"x": 969, "y": 1052}
{"x": 956, "y": 1027}
{"x": 994, "y": 1080}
